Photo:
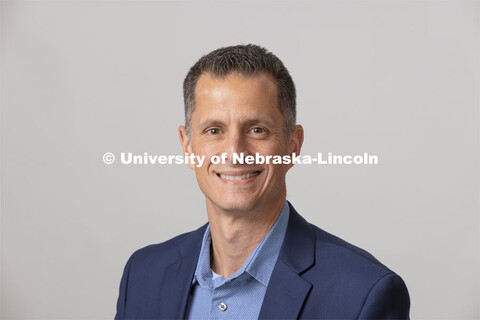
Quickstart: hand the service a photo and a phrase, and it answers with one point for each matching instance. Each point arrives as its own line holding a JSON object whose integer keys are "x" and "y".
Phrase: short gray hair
{"x": 247, "y": 60}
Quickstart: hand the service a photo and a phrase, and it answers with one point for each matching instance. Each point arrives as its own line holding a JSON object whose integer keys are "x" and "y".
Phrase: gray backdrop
{"x": 399, "y": 79}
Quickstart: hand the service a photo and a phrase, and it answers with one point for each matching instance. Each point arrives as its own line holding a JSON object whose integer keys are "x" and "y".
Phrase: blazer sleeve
{"x": 387, "y": 299}
{"x": 122, "y": 296}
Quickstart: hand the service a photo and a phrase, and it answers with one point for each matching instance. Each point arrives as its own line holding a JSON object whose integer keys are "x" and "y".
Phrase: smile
{"x": 239, "y": 177}
{"x": 235, "y": 178}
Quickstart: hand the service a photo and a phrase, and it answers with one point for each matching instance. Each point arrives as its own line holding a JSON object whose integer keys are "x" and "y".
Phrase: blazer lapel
{"x": 287, "y": 290}
{"x": 178, "y": 276}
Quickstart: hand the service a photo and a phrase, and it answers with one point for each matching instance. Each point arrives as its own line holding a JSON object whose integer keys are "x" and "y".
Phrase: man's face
{"x": 234, "y": 115}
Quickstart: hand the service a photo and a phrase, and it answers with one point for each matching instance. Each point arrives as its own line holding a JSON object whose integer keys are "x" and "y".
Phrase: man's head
{"x": 233, "y": 105}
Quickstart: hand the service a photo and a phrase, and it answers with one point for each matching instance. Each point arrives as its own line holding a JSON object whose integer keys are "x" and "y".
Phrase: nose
{"x": 235, "y": 143}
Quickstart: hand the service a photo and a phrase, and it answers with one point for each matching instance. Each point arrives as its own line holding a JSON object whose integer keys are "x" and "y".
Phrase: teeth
{"x": 241, "y": 177}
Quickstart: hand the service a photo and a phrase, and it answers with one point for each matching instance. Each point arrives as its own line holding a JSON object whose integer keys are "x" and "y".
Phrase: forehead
{"x": 258, "y": 90}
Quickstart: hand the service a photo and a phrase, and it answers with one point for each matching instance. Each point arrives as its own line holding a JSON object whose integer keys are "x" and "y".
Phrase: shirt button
{"x": 222, "y": 306}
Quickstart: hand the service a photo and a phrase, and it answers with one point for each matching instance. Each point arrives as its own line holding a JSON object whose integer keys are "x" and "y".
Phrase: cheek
{"x": 269, "y": 148}
{"x": 205, "y": 149}
{"x": 277, "y": 171}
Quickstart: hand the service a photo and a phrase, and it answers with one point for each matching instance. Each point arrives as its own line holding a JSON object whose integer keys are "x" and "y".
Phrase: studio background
{"x": 399, "y": 79}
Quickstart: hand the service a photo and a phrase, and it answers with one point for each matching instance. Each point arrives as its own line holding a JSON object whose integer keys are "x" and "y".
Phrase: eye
{"x": 213, "y": 131}
{"x": 258, "y": 130}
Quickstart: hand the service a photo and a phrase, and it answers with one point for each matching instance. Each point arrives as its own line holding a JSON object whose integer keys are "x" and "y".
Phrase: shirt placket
{"x": 220, "y": 302}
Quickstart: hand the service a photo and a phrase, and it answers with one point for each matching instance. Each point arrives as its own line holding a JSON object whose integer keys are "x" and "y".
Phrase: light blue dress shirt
{"x": 240, "y": 296}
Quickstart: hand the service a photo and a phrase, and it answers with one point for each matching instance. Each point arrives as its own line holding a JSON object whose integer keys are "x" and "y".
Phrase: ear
{"x": 185, "y": 141}
{"x": 295, "y": 142}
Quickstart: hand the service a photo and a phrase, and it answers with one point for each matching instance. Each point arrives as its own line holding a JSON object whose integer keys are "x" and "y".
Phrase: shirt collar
{"x": 259, "y": 264}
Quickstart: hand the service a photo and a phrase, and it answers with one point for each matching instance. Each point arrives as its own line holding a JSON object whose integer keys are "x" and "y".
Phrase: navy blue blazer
{"x": 317, "y": 276}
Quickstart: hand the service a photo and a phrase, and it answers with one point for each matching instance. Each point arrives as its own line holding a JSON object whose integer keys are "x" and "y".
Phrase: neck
{"x": 236, "y": 234}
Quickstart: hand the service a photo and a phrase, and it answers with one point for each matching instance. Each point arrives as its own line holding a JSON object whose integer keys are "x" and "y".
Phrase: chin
{"x": 236, "y": 204}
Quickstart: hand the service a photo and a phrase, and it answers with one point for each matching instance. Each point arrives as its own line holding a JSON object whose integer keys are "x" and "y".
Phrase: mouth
{"x": 239, "y": 177}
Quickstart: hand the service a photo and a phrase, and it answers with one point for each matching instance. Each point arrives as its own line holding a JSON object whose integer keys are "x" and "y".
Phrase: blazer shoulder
{"x": 368, "y": 288}
{"x": 170, "y": 250}
{"x": 327, "y": 254}
{"x": 347, "y": 259}
{"x": 325, "y": 239}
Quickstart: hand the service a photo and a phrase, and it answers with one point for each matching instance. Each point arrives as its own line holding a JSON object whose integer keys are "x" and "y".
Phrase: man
{"x": 256, "y": 257}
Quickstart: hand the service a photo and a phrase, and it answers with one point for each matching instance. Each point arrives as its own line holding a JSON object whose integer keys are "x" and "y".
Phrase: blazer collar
{"x": 286, "y": 291}
{"x": 177, "y": 279}
{"x": 298, "y": 249}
